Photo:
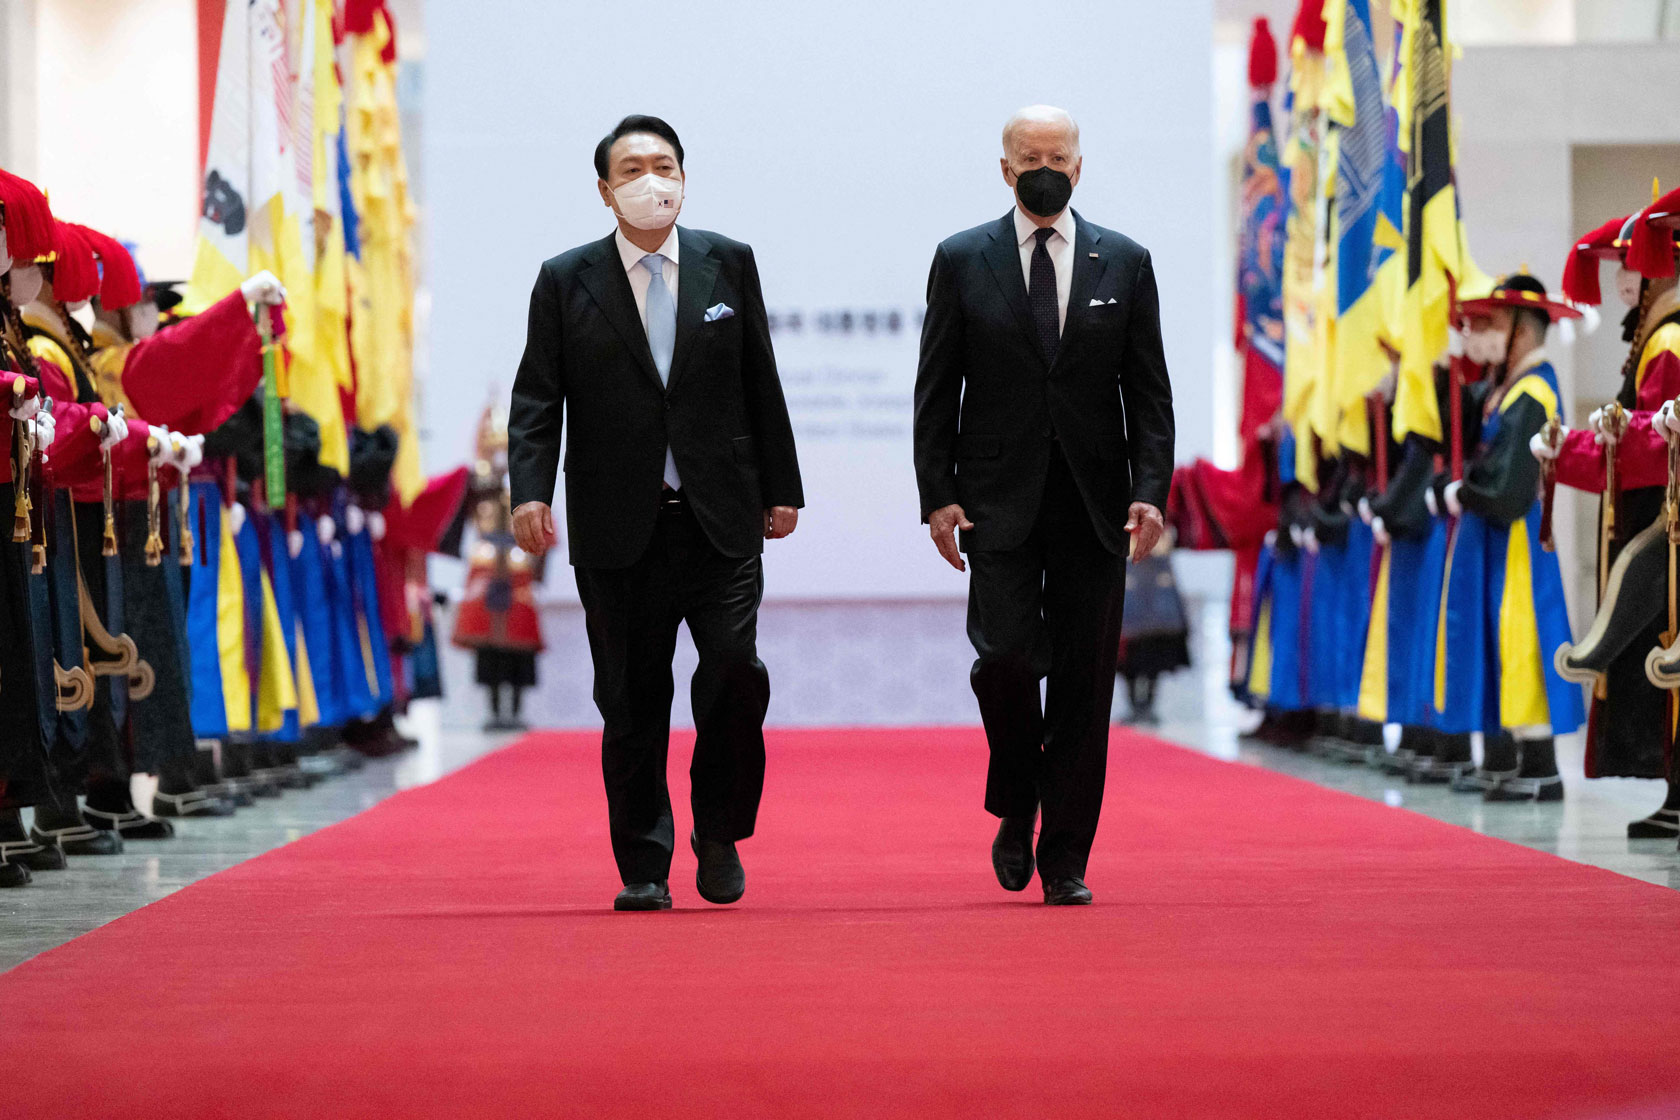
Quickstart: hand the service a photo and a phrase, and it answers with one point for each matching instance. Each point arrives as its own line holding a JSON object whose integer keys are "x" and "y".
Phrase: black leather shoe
{"x": 1012, "y": 851}
{"x": 720, "y": 878}
{"x": 1068, "y": 891}
{"x": 14, "y": 875}
{"x": 643, "y": 896}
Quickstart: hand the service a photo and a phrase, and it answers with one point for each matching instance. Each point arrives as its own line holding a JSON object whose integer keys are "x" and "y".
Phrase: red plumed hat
{"x": 119, "y": 279}
{"x": 358, "y": 15}
{"x": 75, "y": 274}
{"x": 1651, "y": 246}
{"x": 1262, "y": 55}
{"x": 1309, "y": 25}
{"x": 29, "y": 220}
{"x": 1580, "y": 271}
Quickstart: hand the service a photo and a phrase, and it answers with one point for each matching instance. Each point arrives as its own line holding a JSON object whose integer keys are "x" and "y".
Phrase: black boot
{"x": 21, "y": 853}
{"x": 1415, "y": 743}
{"x": 110, "y": 807}
{"x": 1664, "y": 824}
{"x": 62, "y": 826}
{"x": 494, "y": 723}
{"x": 1140, "y": 691}
{"x": 1537, "y": 778}
{"x": 178, "y": 794}
{"x": 517, "y": 723}
{"x": 1451, "y": 758}
{"x": 1499, "y": 764}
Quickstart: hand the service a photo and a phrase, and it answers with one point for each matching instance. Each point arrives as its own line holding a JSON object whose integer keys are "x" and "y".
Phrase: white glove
{"x": 1540, "y": 449}
{"x": 294, "y": 543}
{"x": 1271, "y": 538}
{"x": 1429, "y": 501}
{"x": 1454, "y": 506}
{"x": 192, "y": 452}
{"x": 1596, "y": 423}
{"x": 1380, "y": 532}
{"x": 236, "y": 518}
{"x": 1667, "y": 422}
{"x": 376, "y": 525}
{"x": 354, "y": 519}
{"x": 264, "y": 288}
{"x": 165, "y": 453}
{"x": 1309, "y": 537}
{"x": 325, "y": 530}
{"x": 1455, "y": 343}
{"x": 116, "y": 430}
{"x": 1297, "y": 536}
{"x": 46, "y": 429}
{"x": 26, "y": 408}
{"x": 1365, "y": 513}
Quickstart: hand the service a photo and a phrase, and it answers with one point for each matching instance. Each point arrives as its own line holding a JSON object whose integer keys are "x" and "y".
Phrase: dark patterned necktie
{"x": 1041, "y": 294}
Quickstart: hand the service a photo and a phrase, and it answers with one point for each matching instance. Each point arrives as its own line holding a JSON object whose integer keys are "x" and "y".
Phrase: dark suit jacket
{"x": 989, "y": 402}
{"x": 723, "y": 413}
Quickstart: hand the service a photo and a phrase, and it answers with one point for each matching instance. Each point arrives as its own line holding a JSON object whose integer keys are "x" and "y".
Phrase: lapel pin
{"x": 1093, "y": 256}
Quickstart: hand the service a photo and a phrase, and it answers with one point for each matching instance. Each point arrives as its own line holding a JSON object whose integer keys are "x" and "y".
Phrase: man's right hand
{"x": 942, "y": 526}
{"x": 533, "y": 528}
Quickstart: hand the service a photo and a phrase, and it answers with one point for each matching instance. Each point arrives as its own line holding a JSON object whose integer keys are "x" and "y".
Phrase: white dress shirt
{"x": 1060, "y": 248}
{"x": 639, "y": 278}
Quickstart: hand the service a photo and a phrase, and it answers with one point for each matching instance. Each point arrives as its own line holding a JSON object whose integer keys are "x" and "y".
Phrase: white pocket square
{"x": 721, "y": 311}
{"x": 1111, "y": 299}
{"x": 1096, "y": 303}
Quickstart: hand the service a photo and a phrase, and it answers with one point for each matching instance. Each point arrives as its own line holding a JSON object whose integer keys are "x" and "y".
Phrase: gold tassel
{"x": 20, "y": 511}
{"x": 154, "y": 497}
{"x": 184, "y": 505}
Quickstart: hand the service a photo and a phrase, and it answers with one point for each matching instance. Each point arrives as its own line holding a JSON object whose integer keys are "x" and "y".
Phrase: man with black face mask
{"x": 1044, "y": 433}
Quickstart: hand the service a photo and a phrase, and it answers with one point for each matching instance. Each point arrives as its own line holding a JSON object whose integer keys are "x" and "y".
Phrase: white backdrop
{"x": 842, "y": 141}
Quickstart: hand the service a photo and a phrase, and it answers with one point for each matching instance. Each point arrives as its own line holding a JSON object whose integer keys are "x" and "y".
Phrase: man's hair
{"x": 1040, "y": 114}
{"x": 635, "y": 122}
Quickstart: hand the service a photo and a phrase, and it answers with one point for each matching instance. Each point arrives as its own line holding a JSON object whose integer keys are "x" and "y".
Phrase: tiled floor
{"x": 1197, "y": 712}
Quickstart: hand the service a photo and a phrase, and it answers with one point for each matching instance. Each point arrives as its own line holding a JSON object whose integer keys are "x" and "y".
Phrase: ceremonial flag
{"x": 1260, "y": 252}
{"x": 1357, "y": 112}
{"x": 1434, "y": 240}
{"x": 1303, "y": 259}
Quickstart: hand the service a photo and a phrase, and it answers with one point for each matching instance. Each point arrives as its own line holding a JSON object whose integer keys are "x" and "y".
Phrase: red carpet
{"x": 1260, "y": 947}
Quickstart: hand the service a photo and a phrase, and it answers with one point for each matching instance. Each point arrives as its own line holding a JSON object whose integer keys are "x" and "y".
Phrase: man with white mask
{"x": 679, "y": 464}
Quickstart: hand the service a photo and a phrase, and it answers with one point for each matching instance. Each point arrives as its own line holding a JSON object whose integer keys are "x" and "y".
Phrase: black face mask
{"x": 1044, "y": 191}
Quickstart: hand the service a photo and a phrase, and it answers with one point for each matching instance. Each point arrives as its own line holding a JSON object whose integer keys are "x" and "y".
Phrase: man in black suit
{"x": 679, "y": 465}
{"x": 1044, "y": 433}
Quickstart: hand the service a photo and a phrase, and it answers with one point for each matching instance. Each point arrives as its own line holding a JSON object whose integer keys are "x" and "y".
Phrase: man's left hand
{"x": 1146, "y": 526}
{"x": 779, "y": 521}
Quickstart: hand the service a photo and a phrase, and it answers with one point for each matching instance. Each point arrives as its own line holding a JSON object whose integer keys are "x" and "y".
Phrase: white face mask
{"x": 1485, "y": 348}
{"x": 650, "y": 202}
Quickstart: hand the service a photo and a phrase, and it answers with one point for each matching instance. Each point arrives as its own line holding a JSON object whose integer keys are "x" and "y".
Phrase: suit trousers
{"x": 1048, "y": 610}
{"x": 632, "y": 615}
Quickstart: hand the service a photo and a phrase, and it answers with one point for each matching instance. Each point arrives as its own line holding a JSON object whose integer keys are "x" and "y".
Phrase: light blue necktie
{"x": 662, "y": 338}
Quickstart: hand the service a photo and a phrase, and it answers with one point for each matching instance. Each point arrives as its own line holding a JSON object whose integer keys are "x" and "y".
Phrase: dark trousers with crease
{"x": 632, "y": 615}
{"x": 1048, "y": 610}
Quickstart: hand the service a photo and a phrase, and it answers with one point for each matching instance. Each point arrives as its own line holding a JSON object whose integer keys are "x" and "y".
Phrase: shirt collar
{"x": 632, "y": 256}
{"x": 1024, "y": 228}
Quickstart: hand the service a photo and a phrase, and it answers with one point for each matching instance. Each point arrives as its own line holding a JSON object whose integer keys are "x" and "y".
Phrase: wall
{"x": 843, "y": 143}
{"x": 119, "y": 153}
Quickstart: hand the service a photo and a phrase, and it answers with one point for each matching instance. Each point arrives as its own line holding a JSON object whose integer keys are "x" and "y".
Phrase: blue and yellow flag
{"x": 1435, "y": 260}
{"x": 1366, "y": 219}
